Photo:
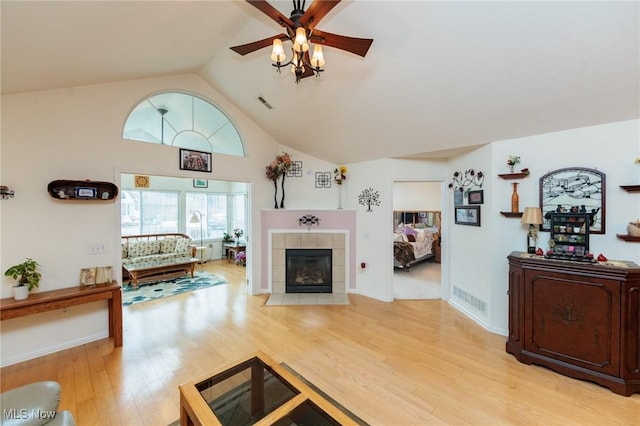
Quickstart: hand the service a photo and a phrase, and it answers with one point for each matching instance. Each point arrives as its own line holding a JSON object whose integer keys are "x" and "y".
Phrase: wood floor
{"x": 400, "y": 363}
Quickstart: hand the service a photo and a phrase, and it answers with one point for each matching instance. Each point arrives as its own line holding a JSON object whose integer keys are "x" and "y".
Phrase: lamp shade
{"x": 300, "y": 43}
{"x": 277, "y": 54}
{"x": 532, "y": 216}
{"x": 317, "y": 60}
{"x": 194, "y": 218}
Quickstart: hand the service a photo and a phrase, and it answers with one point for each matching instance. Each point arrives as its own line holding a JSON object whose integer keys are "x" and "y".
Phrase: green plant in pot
{"x": 27, "y": 275}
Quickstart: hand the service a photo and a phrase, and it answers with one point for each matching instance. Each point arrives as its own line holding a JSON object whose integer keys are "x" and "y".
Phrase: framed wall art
{"x": 198, "y": 161}
{"x": 476, "y": 197}
{"x": 574, "y": 190}
{"x": 200, "y": 183}
{"x": 467, "y": 215}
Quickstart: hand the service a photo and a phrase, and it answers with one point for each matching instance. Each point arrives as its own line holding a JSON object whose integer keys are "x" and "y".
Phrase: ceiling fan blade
{"x": 316, "y": 12}
{"x": 257, "y": 45}
{"x": 359, "y": 46}
{"x": 271, "y": 12}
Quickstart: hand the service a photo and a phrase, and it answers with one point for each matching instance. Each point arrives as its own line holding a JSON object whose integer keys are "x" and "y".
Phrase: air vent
{"x": 470, "y": 299}
{"x": 264, "y": 102}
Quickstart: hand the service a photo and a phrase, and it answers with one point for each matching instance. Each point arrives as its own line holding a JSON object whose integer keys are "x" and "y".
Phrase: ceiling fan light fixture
{"x": 277, "y": 54}
{"x": 300, "y": 43}
{"x": 317, "y": 59}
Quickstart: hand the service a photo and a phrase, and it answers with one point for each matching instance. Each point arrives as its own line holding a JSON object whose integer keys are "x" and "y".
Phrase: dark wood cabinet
{"x": 579, "y": 319}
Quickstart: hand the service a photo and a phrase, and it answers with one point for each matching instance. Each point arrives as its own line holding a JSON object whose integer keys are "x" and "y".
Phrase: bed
{"x": 409, "y": 248}
{"x": 416, "y": 237}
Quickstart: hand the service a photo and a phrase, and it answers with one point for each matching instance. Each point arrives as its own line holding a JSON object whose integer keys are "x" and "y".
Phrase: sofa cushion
{"x": 125, "y": 250}
{"x": 144, "y": 248}
{"x": 182, "y": 245}
{"x": 168, "y": 245}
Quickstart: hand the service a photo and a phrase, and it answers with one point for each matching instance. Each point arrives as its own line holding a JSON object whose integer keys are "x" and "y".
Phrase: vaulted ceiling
{"x": 440, "y": 76}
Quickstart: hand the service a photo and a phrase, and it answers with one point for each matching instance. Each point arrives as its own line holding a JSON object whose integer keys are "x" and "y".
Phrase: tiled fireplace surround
{"x": 280, "y": 241}
{"x": 280, "y": 231}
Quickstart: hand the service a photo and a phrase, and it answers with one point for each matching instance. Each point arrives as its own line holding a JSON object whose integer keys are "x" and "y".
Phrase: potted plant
{"x": 227, "y": 238}
{"x": 27, "y": 276}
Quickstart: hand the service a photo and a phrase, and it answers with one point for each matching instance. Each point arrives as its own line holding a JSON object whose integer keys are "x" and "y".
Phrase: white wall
{"x": 417, "y": 196}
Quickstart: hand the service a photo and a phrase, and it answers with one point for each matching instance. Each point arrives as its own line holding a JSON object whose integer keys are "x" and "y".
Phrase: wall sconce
{"x": 6, "y": 193}
{"x": 308, "y": 220}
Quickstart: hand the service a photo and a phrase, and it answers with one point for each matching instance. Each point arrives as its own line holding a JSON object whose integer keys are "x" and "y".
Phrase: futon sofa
{"x": 155, "y": 248}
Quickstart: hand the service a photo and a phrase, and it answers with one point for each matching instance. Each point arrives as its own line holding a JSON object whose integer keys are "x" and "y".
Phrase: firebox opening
{"x": 308, "y": 271}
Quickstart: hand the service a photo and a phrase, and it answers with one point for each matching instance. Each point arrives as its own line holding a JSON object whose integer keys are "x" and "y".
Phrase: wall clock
{"x": 141, "y": 181}
{"x": 574, "y": 190}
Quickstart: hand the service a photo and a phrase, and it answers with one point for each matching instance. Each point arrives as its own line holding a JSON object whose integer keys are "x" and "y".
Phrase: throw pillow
{"x": 410, "y": 231}
{"x": 182, "y": 245}
{"x": 411, "y": 238}
{"x": 168, "y": 245}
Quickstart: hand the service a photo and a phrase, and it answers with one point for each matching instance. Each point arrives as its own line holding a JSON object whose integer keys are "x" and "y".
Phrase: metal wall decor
{"x": 323, "y": 179}
{"x": 295, "y": 170}
{"x": 463, "y": 182}
{"x": 308, "y": 220}
{"x": 6, "y": 193}
{"x": 369, "y": 197}
{"x": 574, "y": 190}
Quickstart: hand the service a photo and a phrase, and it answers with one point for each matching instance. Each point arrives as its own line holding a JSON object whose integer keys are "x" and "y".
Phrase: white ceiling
{"x": 439, "y": 77}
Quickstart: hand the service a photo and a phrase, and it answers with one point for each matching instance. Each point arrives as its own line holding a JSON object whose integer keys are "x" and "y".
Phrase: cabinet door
{"x": 574, "y": 319}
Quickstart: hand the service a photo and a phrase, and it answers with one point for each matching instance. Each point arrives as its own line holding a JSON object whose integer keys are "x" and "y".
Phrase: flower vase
{"x": 339, "y": 197}
{"x": 515, "y": 198}
{"x": 282, "y": 199}
{"x": 511, "y": 168}
{"x": 275, "y": 193}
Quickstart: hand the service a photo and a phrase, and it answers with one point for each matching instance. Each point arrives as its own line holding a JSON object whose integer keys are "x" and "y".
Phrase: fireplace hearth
{"x": 308, "y": 270}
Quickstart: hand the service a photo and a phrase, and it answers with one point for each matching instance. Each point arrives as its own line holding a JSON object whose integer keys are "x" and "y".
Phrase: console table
{"x": 579, "y": 319}
{"x": 66, "y": 297}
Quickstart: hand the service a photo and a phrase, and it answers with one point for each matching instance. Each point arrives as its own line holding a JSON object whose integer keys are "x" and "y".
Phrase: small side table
{"x": 233, "y": 249}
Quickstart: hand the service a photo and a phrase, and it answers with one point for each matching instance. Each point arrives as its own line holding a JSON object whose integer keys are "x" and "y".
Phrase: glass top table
{"x": 255, "y": 390}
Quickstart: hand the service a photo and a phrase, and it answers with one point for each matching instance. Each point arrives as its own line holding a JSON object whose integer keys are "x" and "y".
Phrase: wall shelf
{"x": 84, "y": 190}
{"x": 631, "y": 188}
{"x": 514, "y": 175}
{"x": 629, "y": 238}
{"x": 511, "y": 214}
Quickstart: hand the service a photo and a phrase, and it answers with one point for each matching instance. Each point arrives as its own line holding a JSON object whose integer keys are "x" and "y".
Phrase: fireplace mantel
{"x": 333, "y": 222}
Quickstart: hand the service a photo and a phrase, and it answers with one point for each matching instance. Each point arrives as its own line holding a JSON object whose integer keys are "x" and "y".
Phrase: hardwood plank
{"x": 400, "y": 363}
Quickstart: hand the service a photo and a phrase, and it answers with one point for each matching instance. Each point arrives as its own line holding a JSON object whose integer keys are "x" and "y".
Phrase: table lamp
{"x": 532, "y": 216}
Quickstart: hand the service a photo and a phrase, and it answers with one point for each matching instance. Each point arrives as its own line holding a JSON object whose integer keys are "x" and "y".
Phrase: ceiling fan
{"x": 301, "y": 29}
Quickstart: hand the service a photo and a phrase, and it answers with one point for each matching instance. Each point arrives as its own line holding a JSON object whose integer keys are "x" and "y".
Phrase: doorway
{"x": 417, "y": 210}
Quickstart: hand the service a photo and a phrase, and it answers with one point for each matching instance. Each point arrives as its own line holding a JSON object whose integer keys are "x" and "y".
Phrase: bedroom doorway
{"x": 417, "y": 226}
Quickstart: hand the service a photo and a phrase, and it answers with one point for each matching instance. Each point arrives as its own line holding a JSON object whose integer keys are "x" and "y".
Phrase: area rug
{"x": 160, "y": 289}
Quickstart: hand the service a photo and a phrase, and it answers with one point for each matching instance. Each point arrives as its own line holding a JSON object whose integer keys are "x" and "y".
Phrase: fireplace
{"x": 308, "y": 270}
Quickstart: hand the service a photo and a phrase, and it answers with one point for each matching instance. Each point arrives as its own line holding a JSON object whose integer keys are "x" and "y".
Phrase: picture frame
{"x": 198, "y": 161}
{"x": 88, "y": 276}
{"x": 467, "y": 215}
{"x": 458, "y": 198}
{"x": 574, "y": 190}
{"x": 200, "y": 183}
{"x": 476, "y": 197}
{"x": 104, "y": 274}
{"x": 82, "y": 192}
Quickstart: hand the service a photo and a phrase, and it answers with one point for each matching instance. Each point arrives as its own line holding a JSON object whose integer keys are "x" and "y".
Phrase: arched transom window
{"x": 185, "y": 121}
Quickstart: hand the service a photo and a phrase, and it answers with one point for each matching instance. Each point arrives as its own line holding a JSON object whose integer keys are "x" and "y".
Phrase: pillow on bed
{"x": 411, "y": 238}
{"x": 410, "y": 231}
{"x": 420, "y": 225}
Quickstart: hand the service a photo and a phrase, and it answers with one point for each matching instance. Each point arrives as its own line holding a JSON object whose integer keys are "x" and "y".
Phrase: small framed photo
{"x": 476, "y": 197}
{"x": 422, "y": 214}
{"x": 104, "y": 274}
{"x": 88, "y": 276}
{"x": 200, "y": 183}
{"x": 86, "y": 192}
{"x": 467, "y": 215}
{"x": 458, "y": 198}
{"x": 198, "y": 161}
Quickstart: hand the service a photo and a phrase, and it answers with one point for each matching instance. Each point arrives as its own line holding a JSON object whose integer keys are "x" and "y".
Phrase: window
{"x": 214, "y": 215}
{"x": 238, "y": 215}
{"x": 185, "y": 121}
{"x": 149, "y": 212}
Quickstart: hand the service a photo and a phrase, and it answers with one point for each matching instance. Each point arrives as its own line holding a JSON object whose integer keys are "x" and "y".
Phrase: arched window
{"x": 184, "y": 121}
